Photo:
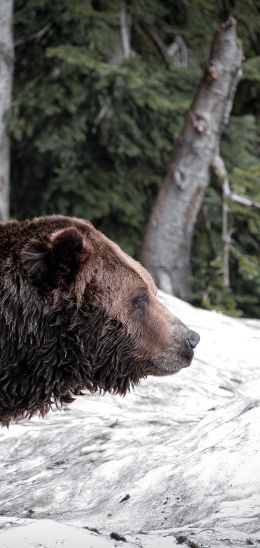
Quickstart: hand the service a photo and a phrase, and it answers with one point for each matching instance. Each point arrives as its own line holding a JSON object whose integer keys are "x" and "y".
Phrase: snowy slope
{"x": 177, "y": 458}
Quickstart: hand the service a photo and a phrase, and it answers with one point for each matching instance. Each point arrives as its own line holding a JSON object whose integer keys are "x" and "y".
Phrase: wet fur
{"x": 63, "y": 324}
{"x": 51, "y": 351}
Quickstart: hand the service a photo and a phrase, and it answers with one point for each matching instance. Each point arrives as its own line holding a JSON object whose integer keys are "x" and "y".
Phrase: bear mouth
{"x": 170, "y": 363}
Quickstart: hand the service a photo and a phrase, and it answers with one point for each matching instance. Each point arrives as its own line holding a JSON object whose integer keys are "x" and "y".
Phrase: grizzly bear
{"x": 77, "y": 313}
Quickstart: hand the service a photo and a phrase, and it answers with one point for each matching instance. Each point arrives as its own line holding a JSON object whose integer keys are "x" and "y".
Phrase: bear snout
{"x": 179, "y": 351}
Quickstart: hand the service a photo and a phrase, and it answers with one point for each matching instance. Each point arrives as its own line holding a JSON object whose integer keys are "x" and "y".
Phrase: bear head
{"x": 77, "y": 313}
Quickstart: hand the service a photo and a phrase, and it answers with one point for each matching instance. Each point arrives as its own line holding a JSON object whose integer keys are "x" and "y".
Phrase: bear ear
{"x": 34, "y": 258}
{"x": 60, "y": 257}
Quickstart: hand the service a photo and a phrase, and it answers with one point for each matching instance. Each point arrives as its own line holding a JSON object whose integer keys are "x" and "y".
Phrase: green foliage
{"x": 92, "y": 132}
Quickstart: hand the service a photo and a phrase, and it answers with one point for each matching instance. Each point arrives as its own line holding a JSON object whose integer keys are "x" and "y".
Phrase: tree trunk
{"x": 6, "y": 76}
{"x": 167, "y": 242}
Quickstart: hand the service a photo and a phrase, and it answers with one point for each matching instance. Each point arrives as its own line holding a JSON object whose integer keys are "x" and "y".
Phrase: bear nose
{"x": 193, "y": 338}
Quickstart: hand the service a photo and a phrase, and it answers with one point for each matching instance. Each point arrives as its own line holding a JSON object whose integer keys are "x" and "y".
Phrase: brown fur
{"x": 77, "y": 312}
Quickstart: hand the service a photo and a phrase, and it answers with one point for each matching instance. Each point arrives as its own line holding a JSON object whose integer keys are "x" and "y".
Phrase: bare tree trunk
{"x": 6, "y": 77}
{"x": 167, "y": 242}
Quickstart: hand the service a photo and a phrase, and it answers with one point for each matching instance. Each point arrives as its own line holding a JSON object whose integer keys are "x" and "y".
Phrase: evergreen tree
{"x": 92, "y": 127}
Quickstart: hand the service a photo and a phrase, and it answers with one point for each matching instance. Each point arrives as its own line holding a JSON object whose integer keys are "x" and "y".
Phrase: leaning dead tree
{"x": 6, "y": 77}
{"x": 167, "y": 242}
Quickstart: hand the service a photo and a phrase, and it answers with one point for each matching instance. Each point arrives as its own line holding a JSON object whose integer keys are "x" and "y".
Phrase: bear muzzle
{"x": 179, "y": 352}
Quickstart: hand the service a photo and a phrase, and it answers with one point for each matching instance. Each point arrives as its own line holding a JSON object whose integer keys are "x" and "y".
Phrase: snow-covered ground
{"x": 177, "y": 461}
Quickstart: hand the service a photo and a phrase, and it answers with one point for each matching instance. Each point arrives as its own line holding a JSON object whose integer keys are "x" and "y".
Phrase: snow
{"x": 175, "y": 461}
{"x": 50, "y": 534}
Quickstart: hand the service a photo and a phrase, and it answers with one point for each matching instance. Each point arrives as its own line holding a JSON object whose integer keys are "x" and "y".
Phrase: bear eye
{"x": 140, "y": 302}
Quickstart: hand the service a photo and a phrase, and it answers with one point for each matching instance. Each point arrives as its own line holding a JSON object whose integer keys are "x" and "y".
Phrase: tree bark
{"x": 6, "y": 77}
{"x": 168, "y": 237}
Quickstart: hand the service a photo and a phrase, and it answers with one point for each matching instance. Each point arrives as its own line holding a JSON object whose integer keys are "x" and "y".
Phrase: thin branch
{"x": 153, "y": 35}
{"x": 225, "y": 235}
{"x": 243, "y": 201}
{"x": 179, "y": 50}
{"x": 207, "y": 226}
{"x": 101, "y": 114}
{"x": 219, "y": 167}
{"x": 125, "y": 24}
{"x": 36, "y": 36}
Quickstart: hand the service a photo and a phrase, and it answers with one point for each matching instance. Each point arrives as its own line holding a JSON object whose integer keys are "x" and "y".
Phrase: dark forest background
{"x": 92, "y": 131}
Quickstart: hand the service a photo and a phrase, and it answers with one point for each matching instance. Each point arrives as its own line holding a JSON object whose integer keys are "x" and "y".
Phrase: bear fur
{"x": 77, "y": 313}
